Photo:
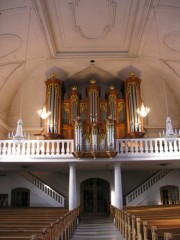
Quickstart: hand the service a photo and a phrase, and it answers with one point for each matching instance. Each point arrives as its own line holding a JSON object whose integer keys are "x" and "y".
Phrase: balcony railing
{"x": 148, "y": 147}
{"x": 126, "y": 148}
{"x": 37, "y": 148}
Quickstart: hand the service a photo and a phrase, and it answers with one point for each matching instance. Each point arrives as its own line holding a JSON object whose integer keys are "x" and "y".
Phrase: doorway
{"x": 169, "y": 195}
{"x": 95, "y": 197}
{"x": 20, "y": 197}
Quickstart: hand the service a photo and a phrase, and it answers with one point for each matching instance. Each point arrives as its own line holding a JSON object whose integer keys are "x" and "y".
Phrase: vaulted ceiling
{"x": 38, "y": 37}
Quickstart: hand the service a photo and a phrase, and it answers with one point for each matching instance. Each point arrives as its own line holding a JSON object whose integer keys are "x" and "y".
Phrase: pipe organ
{"x": 94, "y": 122}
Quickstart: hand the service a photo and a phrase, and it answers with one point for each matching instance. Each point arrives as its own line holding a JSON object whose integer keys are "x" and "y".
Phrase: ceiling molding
{"x": 108, "y": 18}
{"x": 121, "y": 35}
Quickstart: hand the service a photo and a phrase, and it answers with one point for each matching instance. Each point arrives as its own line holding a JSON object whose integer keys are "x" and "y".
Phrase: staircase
{"x": 96, "y": 228}
{"x": 45, "y": 188}
{"x": 146, "y": 185}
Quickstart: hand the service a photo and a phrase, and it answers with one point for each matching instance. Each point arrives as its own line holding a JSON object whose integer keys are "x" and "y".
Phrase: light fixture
{"x": 169, "y": 134}
{"x": 143, "y": 111}
{"x": 42, "y": 113}
{"x": 19, "y": 137}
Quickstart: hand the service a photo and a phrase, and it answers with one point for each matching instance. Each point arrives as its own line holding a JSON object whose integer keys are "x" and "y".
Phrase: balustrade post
{"x": 154, "y": 233}
{"x": 145, "y": 230}
{"x": 138, "y": 224}
{"x": 63, "y": 149}
{"x": 125, "y": 225}
{"x": 37, "y": 148}
{"x": 136, "y": 146}
{"x": 47, "y": 148}
{"x": 52, "y": 148}
{"x": 168, "y": 236}
{"x": 129, "y": 226}
{"x": 133, "y": 220}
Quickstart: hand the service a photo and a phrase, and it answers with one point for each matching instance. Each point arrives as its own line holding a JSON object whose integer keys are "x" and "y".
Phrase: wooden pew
{"x": 44, "y": 223}
{"x": 141, "y": 222}
{"x": 33, "y": 237}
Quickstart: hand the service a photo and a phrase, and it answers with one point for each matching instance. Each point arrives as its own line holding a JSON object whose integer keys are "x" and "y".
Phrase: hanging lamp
{"x": 20, "y": 136}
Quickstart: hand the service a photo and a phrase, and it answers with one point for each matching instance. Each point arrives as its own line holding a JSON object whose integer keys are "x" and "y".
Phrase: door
{"x": 169, "y": 195}
{"x": 20, "y": 197}
{"x": 95, "y": 197}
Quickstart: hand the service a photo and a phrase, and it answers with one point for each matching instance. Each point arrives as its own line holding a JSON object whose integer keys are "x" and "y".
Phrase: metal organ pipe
{"x": 131, "y": 109}
{"x": 78, "y": 135}
{"x": 49, "y": 110}
{"x": 55, "y": 111}
{"x": 93, "y": 106}
{"x": 110, "y": 134}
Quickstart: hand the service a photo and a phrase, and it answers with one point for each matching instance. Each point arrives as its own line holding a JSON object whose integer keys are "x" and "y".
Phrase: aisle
{"x": 98, "y": 229}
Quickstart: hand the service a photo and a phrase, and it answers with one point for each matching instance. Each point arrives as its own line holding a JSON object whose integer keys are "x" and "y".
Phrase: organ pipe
{"x": 93, "y": 93}
{"x": 53, "y": 104}
{"x": 133, "y": 101}
{"x": 110, "y": 134}
{"x": 94, "y": 138}
{"x": 78, "y": 132}
{"x": 74, "y": 97}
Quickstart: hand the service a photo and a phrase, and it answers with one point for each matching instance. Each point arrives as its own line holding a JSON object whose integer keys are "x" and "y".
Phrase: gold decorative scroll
{"x": 55, "y": 86}
{"x": 101, "y": 137}
{"x": 112, "y": 98}
{"x": 129, "y": 86}
{"x": 103, "y": 106}
{"x": 121, "y": 105}
{"x": 93, "y": 91}
{"x": 74, "y": 98}
{"x": 83, "y": 106}
{"x": 66, "y": 107}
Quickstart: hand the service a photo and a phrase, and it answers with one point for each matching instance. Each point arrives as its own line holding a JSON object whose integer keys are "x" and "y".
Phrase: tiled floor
{"x": 96, "y": 229}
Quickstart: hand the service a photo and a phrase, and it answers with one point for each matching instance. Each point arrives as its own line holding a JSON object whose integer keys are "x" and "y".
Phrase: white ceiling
{"x": 41, "y": 36}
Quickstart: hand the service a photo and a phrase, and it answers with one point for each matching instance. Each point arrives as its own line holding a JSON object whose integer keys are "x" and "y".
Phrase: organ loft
{"x": 93, "y": 114}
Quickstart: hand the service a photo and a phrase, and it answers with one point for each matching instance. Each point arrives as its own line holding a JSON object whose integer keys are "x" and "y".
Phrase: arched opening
{"x": 95, "y": 197}
{"x": 169, "y": 195}
{"x": 20, "y": 197}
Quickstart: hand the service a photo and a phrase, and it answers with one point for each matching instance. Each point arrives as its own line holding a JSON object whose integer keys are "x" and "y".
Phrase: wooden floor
{"x": 97, "y": 229}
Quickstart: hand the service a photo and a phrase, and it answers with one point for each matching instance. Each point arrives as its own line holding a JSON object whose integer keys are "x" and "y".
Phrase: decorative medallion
{"x": 103, "y": 106}
{"x": 83, "y": 106}
{"x": 121, "y": 106}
